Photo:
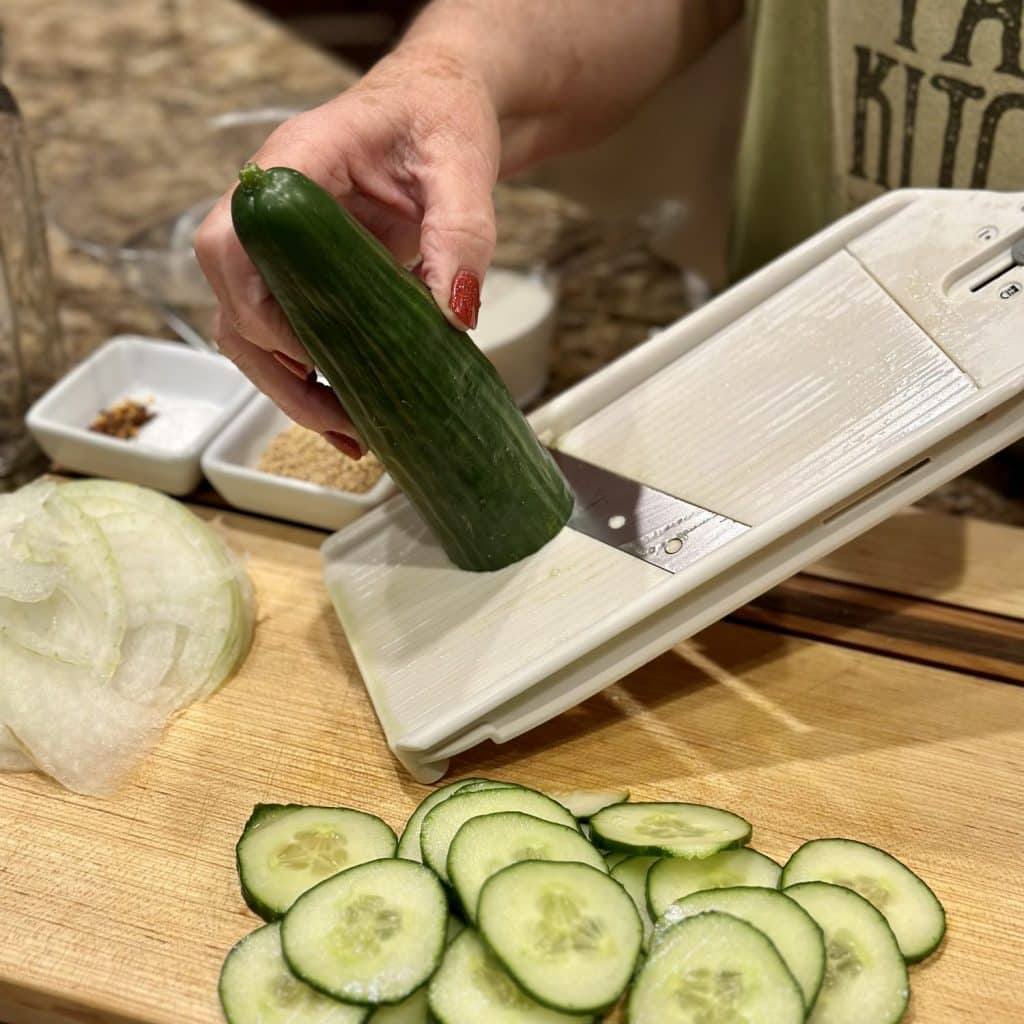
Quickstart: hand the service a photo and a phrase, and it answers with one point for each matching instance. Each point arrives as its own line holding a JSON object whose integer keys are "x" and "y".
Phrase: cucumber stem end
{"x": 252, "y": 178}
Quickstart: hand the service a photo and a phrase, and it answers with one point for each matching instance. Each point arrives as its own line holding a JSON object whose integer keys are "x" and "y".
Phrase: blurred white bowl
{"x": 230, "y": 465}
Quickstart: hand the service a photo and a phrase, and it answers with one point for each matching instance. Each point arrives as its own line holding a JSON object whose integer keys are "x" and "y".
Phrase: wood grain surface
{"x": 121, "y": 910}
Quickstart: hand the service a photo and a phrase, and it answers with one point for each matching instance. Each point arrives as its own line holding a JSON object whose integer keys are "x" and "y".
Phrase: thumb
{"x": 456, "y": 241}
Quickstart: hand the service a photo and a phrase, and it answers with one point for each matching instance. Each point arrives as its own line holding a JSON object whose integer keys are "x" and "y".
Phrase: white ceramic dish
{"x": 517, "y": 322}
{"x": 230, "y": 465}
{"x": 193, "y": 394}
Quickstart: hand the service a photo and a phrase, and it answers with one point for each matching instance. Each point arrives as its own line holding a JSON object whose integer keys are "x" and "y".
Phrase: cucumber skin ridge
{"x": 846, "y": 839}
{"x": 422, "y": 395}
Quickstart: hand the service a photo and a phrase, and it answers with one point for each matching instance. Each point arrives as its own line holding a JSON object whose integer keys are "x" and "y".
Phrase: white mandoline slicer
{"x": 850, "y": 377}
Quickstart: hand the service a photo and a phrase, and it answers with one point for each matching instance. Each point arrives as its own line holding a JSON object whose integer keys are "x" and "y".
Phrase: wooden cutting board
{"x": 121, "y": 910}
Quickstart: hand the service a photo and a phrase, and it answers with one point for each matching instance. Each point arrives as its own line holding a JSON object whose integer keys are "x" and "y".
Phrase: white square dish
{"x": 230, "y": 465}
{"x": 192, "y": 394}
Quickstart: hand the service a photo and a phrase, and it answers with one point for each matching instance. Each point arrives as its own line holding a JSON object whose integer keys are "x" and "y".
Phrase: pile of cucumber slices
{"x": 502, "y": 905}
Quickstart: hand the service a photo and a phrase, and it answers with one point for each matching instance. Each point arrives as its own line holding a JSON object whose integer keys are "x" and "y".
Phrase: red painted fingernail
{"x": 346, "y": 445}
{"x": 465, "y": 300}
{"x": 299, "y": 369}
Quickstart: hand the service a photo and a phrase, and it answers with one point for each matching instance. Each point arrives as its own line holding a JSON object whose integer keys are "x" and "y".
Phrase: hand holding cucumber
{"x": 391, "y": 151}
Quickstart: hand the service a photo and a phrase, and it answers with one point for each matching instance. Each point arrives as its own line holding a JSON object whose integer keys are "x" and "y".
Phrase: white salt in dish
{"x": 193, "y": 396}
{"x": 517, "y": 322}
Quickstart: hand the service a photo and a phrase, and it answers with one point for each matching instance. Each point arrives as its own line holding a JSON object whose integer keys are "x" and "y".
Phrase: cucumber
{"x": 471, "y": 987}
{"x": 409, "y": 844}
{"x": 668, "y": 829}
{"x": 256, "y": 987}
{"x": 901, "y": 897}
{"x": 790, "y": 928}
{"x": 444, "y": 821}
{"x": 585, "y": 803}
{"x": 281, "y": 855}
{"x": 262, "y": 814}
{"x": 413, "y": 1010}
{"x": 865, "y": 973}
{"x": 567, "y": 933}
{"x": 616, "y": 857}
{"x": 476, "y": 787}
{"x": 490, "y": 842}
{"x": 372, "y": 934}
{"x": 714, "y": 967}
{"x": 631, "y": 874}
{"x": 421, "y": 394}
{"x": 673, "y": 877}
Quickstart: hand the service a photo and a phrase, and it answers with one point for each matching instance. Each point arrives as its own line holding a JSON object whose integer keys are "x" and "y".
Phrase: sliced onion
{"x": 118, "y": 607}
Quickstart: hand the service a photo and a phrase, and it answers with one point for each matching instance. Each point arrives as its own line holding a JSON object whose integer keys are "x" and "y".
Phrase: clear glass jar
{"x": 32, "y": 354}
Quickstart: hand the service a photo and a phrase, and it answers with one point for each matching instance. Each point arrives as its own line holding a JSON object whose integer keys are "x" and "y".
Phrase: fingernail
{"x": 255, "y": 290}
{"x": 299, "y": 369}
{"x": 346, "y": 445}
{"x": 465, "y": 299}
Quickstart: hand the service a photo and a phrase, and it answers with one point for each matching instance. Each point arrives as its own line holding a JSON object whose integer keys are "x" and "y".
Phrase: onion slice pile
{"x": 118, "y": 607}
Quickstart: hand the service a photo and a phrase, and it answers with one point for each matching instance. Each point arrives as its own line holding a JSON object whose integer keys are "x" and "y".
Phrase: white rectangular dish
{"x": 193, "y": 395}
{"x": 849, "y": 378}
{"x": 230, "y": 465}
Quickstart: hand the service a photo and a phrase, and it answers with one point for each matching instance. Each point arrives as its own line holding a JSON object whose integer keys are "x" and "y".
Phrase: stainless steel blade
{"x": 655, "y": 527}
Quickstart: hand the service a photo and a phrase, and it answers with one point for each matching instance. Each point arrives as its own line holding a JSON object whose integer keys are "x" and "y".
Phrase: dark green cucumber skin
{"x": 421, "y": 394}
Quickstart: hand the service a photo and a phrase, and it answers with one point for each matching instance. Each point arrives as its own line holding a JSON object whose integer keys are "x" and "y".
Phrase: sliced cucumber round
{"x": 281, "y": 855}
{"x": 256, "y": 987}
{"x": 790, "y": 928}
{"x": 673, "y": 877}
{"x": 631, "y": 874}
{"x": 409, "y": 844}
{"x": 668, "y": 829}
{"x": 865, "y": 974}
{"x": 471, "y": 987}
{"x": 486, "y": 844}
{"x": 714, "y": 967}
{"x": 567, "y": 933}
{"x": 616, "y": 857}
{"x": 904, "y": 900}
{"x": 413, "y": 1010}
{"x": 372, "y": 934}
{"x": 583, "y": 804}
{"x": 444, "y": 821}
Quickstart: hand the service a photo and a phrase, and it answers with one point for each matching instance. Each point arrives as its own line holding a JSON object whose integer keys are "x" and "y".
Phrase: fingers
{"x": 307, "y": 402}
{"x": 457, "y": 237}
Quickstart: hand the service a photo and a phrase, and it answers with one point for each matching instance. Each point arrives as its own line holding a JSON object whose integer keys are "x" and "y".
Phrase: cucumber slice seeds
{"x": 485, "y": 845}
{"x": 372, "y": 934}
{"x": 285, "y": 851}
{"x": 714, "y": 967}
{"x": 567, "y": 933}
{"x": 673, "y": 878}
{"x": 669, "y": 829}
{"x": 256, "y": 987}
{"x": 790, "y": 928}
{"x": 901, "y": 897}
{"x": 865, "y": 974}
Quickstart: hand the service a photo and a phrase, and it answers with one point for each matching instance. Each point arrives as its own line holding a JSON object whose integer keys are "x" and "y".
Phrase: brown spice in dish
{"x": 304, "y": 455}
{"x": 122, "y": 419}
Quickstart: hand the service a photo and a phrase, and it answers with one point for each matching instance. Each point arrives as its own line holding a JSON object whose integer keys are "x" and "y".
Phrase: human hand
{"x": 412, "y": 151}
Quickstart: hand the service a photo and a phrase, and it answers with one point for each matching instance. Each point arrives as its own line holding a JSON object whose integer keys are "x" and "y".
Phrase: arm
{"x": 476, "y": 89}
{"x": 564, "y": 73}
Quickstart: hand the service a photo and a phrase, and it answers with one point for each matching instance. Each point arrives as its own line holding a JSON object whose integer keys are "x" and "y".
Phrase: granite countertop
{"x": 118, "y": 96}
